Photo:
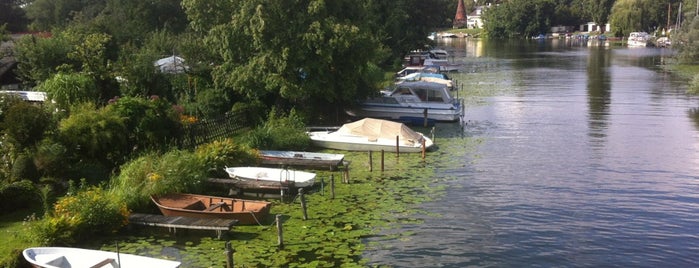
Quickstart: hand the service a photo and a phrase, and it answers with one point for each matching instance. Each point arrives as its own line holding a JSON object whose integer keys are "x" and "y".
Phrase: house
{"x": 474, "y": 19}
{"x": 593, "y": 27}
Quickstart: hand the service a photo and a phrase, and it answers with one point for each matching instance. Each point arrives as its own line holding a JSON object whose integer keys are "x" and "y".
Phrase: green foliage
{"x": 18, "y": 195}
{"x": 151, "y": 124}
{"x": 521, "y": 19}
{"x": 68, "y": 89}
{"x": 217, "y": 155}
{"x": 175, "y": 171}
{"x": 24, "y": 168}
{"x": 81, "y": 215}
{"x": 639, "y": 15}
{"x": 694, "y": 85}
{"x": 687, "y": 43}
{"x": 279, "y": 132}
{"x": 295, "y": 53}
{"x": 94, "y": 135}
{"x": 25, "y": 124}
{"x": 51, "y": 158}
{"x": 39, "y": 57}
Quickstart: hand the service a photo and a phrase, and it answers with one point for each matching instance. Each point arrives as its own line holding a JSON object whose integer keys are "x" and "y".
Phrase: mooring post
{"x": 280, "y": 232}
{"x": 371, "y": 163}
{"x": 332, "y": 186}
{"x": 322, "y": 186}
{"x": 423, "y": 149}
{"x": 424, "y": 115}
{"x": 229, "y": 255}
{"x": 382, "y": 160}
{"x": 397, "y": 146}
{"x": 303, "y": 204}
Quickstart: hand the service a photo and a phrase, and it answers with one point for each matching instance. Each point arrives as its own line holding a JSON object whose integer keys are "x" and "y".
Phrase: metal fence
{"x": 206, "y": 131}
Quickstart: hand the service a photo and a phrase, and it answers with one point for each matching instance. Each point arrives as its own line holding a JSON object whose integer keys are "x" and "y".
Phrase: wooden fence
{"x": 210, "y": 130}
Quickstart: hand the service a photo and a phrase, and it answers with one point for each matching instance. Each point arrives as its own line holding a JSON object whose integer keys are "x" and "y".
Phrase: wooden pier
{"x": 259, "y": 189}
{"x": 174, "y": 222}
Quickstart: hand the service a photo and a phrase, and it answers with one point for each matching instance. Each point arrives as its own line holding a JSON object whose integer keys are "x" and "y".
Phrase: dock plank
{"x": 218, "y": 225}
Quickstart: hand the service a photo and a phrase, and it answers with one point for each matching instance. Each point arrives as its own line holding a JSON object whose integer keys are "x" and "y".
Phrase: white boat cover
{"x": 378, "y": 128}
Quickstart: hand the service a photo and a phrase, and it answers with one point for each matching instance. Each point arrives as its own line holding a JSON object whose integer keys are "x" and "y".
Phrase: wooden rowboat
{"x": 204, "y": 206}
{"x": 63, "y": 257}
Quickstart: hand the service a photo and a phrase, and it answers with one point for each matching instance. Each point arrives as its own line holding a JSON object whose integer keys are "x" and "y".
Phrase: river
{"x": 589, "y": 158}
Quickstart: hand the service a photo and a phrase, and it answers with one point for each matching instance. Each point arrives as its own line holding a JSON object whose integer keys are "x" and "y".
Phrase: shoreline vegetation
{"x": 336, "y": 231}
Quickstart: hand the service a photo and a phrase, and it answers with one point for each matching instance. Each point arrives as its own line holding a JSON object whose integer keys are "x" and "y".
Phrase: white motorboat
{"x": 272, "y": 175}
{"x": 371, "y": 134}
{"x": 64, "y": 257}
{"x": 638, "y": 39}
{"x": 412, "y": 103}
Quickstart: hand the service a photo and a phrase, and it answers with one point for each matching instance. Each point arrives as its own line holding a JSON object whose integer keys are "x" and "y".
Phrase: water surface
{"x": 590, "y": 157}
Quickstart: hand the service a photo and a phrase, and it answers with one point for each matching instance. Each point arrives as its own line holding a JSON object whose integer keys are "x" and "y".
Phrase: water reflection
{"x": 599, "y": 93}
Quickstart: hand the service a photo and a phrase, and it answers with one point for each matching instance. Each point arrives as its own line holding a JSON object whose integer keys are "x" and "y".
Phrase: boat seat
{"x": 106, "y": 261}
{"x": 196, "y": 205}
{"x": 221, "y": 205}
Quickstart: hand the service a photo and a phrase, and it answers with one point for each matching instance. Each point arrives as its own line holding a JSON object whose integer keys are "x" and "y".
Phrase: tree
{"x": 599, "y": 11}
{"x": 523, "y": 18}
{"x": 309, "y": 54}
{"x": 640, "y": 15}
{"x": 14, "y": 17}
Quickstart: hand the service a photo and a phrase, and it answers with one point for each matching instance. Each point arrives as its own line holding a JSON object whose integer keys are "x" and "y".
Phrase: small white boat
{"x": 297, "y": 158}
{"x": 272, "y": 175}
{"x": 371, "y": 134}
{"x": 64, "y": 257}
{"x": 410, "y": 102}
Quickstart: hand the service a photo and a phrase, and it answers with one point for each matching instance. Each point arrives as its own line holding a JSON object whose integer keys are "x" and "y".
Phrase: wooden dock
{"x": 174, "y": 222}
{"x": 259, "y": 189}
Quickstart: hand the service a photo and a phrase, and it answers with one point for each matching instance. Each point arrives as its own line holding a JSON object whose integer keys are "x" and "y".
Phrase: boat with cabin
{"x": 412, "y": 102}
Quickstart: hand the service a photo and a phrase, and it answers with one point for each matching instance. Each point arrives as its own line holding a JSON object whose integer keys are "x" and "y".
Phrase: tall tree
{"x": 599, "y": 11}
{"x": 302, "y": 53}
{"x": 13, "y": 15}
{"x": 524, "y": 18}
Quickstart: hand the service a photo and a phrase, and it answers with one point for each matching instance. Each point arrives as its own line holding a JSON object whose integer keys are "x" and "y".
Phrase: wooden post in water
{"x": 424, "y": 117}
{"x": 371, "y": 163}
{"x": 332, "y": 186}
{"x": 303, "y": 204}
{"x": 280, "y": 232}
{"x": 382, "y": 160}
{"x": 397, "y": 146}
{"x": 229, "y": 255}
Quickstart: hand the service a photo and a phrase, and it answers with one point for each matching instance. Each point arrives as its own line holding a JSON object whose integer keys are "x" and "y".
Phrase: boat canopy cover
{"x": 378, "y": 128}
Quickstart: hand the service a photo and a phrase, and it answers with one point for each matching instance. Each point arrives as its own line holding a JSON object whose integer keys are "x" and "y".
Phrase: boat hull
{"x": 63, "y": 257}
{"x": 213, "y": 207}
{"x": 296, "y": 158}
{"x": 330, "y": 140}
{"x": 293, "y": 178}
{"x": 412, "y": 115}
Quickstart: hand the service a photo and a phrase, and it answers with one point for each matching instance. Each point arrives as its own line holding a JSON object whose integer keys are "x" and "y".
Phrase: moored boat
{"x": 297, "y": 158}
{"x": 204, "y": 206}
{"x": 371, "y": 134}
{"x": 65, "y": 257}
{"x": 412, "y": 102}
{"x": 295, "y": 178}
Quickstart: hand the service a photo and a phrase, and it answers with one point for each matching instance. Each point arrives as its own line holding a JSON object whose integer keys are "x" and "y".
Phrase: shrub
{"x": 151, "y": 124}
{"x": 279, "y": 132}
{"x": 217, "y": 155}
{"x": 24, "y": 168}
{"x": 91, "y": 134}
{"x": 151, "y": 174}
{"x": 19, "y": 195}
{"x": 79, "y": 216}
{"x": 25, "y": 124}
